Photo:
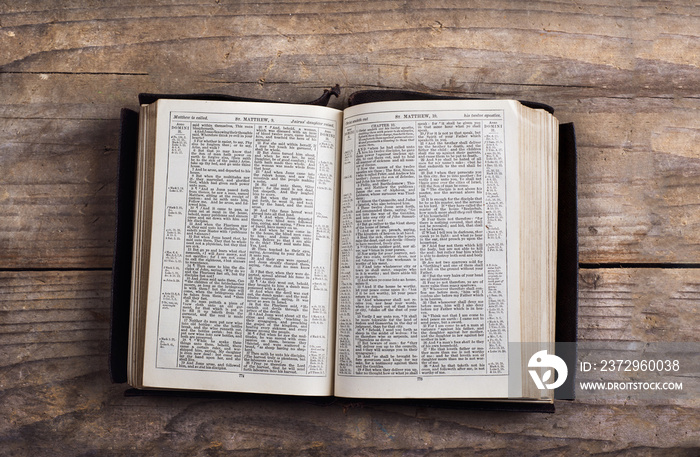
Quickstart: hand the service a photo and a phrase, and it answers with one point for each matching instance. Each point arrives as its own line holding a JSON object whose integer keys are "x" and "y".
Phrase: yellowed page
{"x": 240, "y": 292}
{"x": 429, "y": 249}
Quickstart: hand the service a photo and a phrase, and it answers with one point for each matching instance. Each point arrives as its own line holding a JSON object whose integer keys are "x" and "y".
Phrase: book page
{"x": 241, "y": 295}
{"x": 428, "y": 254}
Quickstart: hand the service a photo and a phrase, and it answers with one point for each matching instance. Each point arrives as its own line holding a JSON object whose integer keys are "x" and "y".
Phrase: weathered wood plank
{"x": 54, "y": 387}
{"x": 607, "y": 50}
{"x": 57, "y": 193}
{"x": 590, "y": 48}
{"x": 639, "y": 178}
{"x": 645, "y": 305}
{"x": 222, "y": 427}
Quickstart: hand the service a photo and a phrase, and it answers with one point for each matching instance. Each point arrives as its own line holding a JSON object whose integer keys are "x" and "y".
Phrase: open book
{"x": 389, "y": 250}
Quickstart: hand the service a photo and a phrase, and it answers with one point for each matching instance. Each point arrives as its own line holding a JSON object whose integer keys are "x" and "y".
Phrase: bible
{"x": 393, "y": 249}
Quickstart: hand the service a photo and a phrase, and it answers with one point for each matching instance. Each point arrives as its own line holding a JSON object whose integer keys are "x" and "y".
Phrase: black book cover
{"x": 567, "y": 260}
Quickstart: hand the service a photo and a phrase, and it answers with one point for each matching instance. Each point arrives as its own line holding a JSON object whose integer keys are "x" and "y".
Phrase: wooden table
{"x": 627, "y": 74}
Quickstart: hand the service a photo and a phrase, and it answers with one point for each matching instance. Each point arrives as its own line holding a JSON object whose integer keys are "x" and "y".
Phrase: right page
{"x": 429, "y": 284}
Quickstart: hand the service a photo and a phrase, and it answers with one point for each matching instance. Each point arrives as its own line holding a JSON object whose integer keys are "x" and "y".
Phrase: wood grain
{"x": 626, "y": 73}
{"x": 639, "y": 304}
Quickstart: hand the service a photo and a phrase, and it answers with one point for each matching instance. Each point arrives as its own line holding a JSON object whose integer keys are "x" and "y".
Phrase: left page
{"x": 240, "y": 290}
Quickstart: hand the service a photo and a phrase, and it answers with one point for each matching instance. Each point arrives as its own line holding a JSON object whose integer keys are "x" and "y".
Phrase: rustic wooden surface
{"x": 626, "y": 73}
